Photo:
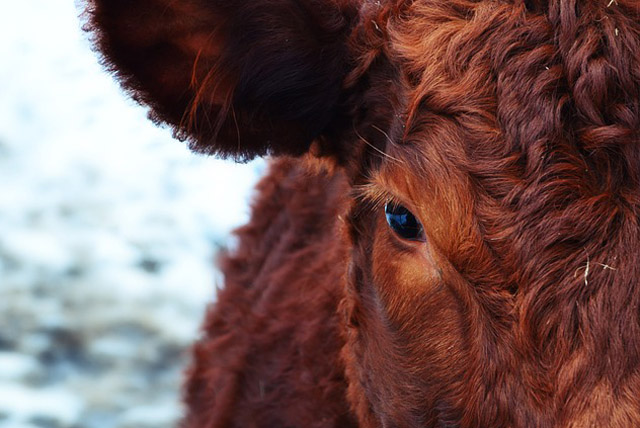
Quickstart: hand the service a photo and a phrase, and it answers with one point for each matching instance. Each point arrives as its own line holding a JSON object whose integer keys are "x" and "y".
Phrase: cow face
{"x": 493, "y": 266}
{"x": 493, "y": 152}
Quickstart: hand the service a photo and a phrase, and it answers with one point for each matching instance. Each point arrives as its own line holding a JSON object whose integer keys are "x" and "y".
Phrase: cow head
{"x": 494, "y": 153}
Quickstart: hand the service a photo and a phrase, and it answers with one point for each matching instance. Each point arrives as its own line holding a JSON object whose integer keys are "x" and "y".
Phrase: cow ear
{"x": 238, "y": 78}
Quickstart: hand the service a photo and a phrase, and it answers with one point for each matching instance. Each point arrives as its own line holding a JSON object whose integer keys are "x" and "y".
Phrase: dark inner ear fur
{"x": 233, "y": 78}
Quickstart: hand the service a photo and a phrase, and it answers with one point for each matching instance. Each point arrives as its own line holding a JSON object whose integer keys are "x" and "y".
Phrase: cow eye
{"x": 403, "y": 222}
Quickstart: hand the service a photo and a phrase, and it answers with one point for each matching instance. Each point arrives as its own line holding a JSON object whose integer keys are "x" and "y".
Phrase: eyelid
{"x": 379, "y": 196}
{"x": 393, "y": 200}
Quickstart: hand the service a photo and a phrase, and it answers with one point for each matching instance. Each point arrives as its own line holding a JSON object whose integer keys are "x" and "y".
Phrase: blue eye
{"x": 403, "y": 222}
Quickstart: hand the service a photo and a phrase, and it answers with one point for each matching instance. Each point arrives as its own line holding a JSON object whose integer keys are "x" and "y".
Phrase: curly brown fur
{"x": 511, "y": 129}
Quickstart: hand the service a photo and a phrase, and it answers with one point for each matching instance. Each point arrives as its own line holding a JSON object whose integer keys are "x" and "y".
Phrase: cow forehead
{"x": 513, "y": 99}
{"x": 571, "y": 67}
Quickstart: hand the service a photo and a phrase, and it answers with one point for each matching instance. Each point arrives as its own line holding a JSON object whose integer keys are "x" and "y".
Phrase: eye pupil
{"x": 403, "y": 222}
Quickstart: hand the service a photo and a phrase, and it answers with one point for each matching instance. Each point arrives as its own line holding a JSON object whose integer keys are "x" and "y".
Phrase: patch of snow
{"x": 24, "y": 403}
{"x": 16, "y": 424}
{"x": 151, "y": 416}
{"x": 16, "y": 366}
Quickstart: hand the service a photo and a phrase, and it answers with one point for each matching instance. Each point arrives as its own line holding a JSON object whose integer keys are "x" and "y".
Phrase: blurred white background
{"x": 108, "y": 231}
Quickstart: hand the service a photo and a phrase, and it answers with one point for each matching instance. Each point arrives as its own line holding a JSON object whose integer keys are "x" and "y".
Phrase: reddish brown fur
{"x": 511, "y": 129}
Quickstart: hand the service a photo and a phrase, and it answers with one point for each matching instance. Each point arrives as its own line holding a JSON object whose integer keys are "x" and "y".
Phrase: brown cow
{"x": 449, "y": 234}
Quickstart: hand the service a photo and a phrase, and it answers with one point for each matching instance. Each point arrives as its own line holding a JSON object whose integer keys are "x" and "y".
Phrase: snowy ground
{"x": 108, "y": 229}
